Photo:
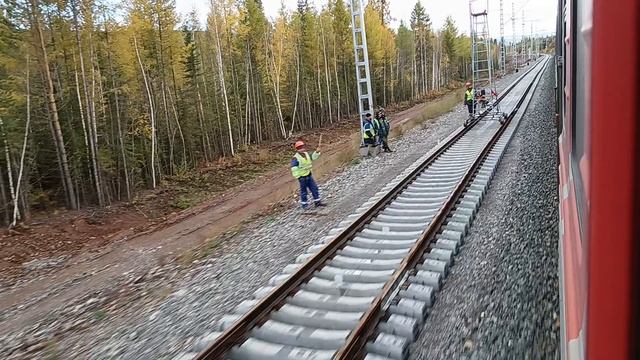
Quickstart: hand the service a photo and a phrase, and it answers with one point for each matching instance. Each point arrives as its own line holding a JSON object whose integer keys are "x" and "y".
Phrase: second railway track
{"x": 364, "y": 291}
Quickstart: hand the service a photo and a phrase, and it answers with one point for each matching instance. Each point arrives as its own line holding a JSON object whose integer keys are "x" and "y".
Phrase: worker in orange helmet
{"x": 301, "y": 165}
{"x": 469, "y": 99}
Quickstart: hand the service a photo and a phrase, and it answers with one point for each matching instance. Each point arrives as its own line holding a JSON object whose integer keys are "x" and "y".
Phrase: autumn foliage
{"x": 99, "y": 100}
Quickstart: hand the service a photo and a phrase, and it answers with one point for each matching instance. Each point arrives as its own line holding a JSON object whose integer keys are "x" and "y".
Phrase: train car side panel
{"x": 573, "y": 174}
{"x": 612, "y": 327}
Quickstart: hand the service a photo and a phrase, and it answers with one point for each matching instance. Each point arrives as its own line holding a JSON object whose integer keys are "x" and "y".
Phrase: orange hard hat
{"x": 299, "y": 144}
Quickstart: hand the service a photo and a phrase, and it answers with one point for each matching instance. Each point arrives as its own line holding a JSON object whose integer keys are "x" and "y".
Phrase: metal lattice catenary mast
{"x": 481, "y": 61}
{"x": 363, "y": 78}
{"x": 485, "y": 93}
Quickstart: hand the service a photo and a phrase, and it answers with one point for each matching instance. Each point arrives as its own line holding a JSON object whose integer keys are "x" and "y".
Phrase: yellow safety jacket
{"x": 305, "y": 163}
{"x": 468, "y": 95}
{"x": 369, "y": 129}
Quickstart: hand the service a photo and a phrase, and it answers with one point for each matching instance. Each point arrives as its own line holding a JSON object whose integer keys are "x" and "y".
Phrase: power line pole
{"x": 523, "y": 42}
{"x": 514, "y": 50}
{"x": 531, "y": 42}
{"x": 503, "y": 54}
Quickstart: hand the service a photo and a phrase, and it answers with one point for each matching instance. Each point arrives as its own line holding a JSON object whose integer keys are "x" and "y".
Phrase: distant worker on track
{"x": 384, "y": 129}
{"x": 301, "y": 166}
{"x": 469, "y": 100}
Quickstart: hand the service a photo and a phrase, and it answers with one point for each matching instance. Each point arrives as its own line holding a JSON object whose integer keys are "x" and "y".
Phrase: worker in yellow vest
{"x": 469, "y": 100}
{"x": 301, "y": 165}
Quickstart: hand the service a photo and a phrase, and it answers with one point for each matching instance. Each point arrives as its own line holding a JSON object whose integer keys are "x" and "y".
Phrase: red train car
{"x": 598, "y": 104}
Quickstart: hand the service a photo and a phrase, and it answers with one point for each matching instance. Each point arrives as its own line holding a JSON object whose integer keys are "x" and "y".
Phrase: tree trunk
{"x": 119, "y": 121}
{"x": 414, "y": 78}
{"x": 319, "y": 87}
{"x": 7, "y": 157}
{"x": 16, "y": 212}
{"x": 295, "y": 102}
{"x": 82, "y": 119}
{"x": 175, "y": 116}
{"x": 3, "y": 200}
{"x": 335, "y": 69}
{"x": 90, "y": 107}
{"x": 151, "y": 116}
{"x": 326, "y": 76}
{"x": 206, "y": 145}
{"x": 222, "y": 84}
{"x": 52, "y": 107}
{"x": 384, "y": 82}
{"x": 276, "y": 71}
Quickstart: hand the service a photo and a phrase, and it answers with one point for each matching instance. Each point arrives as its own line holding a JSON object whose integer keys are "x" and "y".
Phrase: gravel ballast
{"x": 501, "y": 299}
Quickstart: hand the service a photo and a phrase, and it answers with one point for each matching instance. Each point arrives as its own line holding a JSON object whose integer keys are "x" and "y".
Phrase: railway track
{"x": 364, "y": 291}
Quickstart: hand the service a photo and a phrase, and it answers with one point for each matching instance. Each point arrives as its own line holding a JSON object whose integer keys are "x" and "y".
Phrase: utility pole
{"x": 514, "y": 49}
{"x": 503, "y": 54}
{"x": 532, "y": 41}
{"x": 523, "y": 39}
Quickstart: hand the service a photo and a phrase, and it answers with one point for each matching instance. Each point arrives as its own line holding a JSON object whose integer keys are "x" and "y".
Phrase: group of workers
{"x": 473, "y": 98}
{"x": 375, "y": 131}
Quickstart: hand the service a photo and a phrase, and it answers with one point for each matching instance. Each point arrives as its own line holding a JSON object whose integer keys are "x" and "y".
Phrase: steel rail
{"x": 358, "y": 338}
{"x": 237, "y": 332}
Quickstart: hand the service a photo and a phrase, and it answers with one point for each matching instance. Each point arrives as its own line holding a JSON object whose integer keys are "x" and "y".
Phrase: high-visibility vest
{"x": 368, "y": 130}
{"x": 305, "y": 163}
{"x": 469, "y": 95}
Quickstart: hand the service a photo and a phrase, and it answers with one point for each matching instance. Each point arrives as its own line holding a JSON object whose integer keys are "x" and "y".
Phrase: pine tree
{"x": 449, "y": 39}
{"x": 420, "y": 24}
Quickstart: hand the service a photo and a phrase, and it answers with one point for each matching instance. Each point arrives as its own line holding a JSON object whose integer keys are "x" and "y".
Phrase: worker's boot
{"x": 319, "y": 203}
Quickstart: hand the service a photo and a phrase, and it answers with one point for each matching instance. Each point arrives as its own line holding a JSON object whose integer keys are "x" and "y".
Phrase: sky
{"x": 539, "y": 14}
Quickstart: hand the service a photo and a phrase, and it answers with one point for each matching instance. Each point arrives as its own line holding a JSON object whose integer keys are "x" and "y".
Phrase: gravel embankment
{"x": 500, "y": 300}
{"x": 169, "y": 309}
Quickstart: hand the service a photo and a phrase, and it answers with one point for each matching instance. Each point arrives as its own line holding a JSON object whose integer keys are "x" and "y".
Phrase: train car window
{"x": 561, "y": 76}
{"x": 581, "y": 59}
{"x": 581, "y": 91}
{"x": 564, "y": 47}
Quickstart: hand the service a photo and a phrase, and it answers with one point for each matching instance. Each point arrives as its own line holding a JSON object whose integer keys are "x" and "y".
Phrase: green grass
{"x": 441, "y": 106}
{"x": 182, "y": 202}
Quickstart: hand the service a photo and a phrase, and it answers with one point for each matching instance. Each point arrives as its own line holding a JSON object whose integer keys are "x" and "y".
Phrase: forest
{"x": 100, "y": 100}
